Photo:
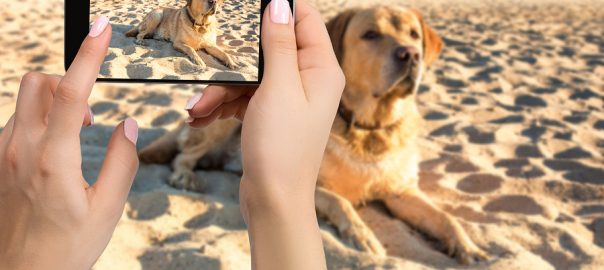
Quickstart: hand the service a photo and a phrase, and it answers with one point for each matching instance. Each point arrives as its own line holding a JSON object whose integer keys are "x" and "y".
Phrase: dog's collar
{"x": 191, "y": 18}
{"x": 348, "y": 116}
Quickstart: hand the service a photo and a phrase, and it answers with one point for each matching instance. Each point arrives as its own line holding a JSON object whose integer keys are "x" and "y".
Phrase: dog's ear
{"x": 189, "y": 3}
{"x": 337, "y": 27}
{"x": 432, "y": 43}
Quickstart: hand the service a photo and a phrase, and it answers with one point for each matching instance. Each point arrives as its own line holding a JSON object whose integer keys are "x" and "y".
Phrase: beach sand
{"x": 237, "y": 34}
{"x": 513, "y": 143}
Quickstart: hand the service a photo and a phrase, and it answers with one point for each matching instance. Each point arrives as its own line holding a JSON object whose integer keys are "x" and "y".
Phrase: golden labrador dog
{"x": 372, "y": 153}
{"x": 190, "y": 29}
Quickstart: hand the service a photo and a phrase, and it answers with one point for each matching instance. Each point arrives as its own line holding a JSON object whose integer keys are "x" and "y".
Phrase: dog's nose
{"x": 404, "y": 54}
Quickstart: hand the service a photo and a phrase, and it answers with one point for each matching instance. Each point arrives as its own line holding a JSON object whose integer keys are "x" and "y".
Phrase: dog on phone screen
{"x": 372, "y": 153}
{"x": 190, "y": 29}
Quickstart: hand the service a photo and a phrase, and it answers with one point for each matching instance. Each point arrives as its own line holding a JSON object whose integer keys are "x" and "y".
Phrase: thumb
{"x": 279, "y": 41}
{"x": 118, "y": 171}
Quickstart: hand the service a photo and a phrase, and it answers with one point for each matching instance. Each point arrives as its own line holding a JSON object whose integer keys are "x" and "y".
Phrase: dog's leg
{"x": 340, "y": 212}
{"x": 414, "y": 207}
{"x": 189, "y": 51}
{"x": 194, "y": 144}
{"x": 222, "y": 56}
{"x": 183, "y": 176}
{"x": 148, "y": 26}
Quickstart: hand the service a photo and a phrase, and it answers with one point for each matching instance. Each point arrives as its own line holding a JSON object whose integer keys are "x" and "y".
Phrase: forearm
{"x": 286, "y": 238}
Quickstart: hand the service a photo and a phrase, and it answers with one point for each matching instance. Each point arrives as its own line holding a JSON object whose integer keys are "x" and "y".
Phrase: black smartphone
{"x": 173, "y": 41}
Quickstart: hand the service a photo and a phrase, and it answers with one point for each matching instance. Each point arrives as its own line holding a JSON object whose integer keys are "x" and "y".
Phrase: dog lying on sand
{"x": 190, "y": 29}
{"x": 372, "y": 153}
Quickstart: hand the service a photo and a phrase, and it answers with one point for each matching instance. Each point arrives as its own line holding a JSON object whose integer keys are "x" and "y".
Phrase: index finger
{"x": 71, "y": 98}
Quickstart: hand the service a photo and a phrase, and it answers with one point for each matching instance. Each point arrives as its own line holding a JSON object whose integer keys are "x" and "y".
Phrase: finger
{"x": 36, "y": 95}
{"x": 54, "y": 84}
{"x": 279, "y": 46}
{"x": 72, "y": 94}
{"x": 205, "y": 121}
{"x": 118, "y": 171}
{"x": 316, "y": 56}
{"x": 7, "y": 131}
{"x": 33, "y": 101}
{"x": 235, "y": 108}
{"x": 213, "y": 96}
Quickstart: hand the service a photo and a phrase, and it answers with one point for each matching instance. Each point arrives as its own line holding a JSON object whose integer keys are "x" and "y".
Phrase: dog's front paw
{"x": 186, "y": 180}
{"x": 231, "y": 64}
{"x": 465, "y": 251}
{"x": 140, "y": 42}
{"x": 199, "y": 62}
{"x": 365, "y": 240}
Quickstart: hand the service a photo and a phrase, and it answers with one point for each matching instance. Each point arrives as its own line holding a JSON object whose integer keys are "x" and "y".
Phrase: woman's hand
{"x": 286, "y": 125}
{"x": 50, "y": 218}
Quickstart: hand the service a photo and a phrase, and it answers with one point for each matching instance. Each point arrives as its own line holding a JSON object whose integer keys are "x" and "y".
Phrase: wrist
{"x": 268, "y": 202}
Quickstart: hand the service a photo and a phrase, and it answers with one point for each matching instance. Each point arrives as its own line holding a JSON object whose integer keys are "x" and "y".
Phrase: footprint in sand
{"x": 528, "y": 151}
{"x": 477, "y": 136}
{"x": 139, "y": 71}
{"x": 153, "y": 98}
{"x": 166, "y": 118}
{"x": 573, "y": 153}
{"x": 435, "y": 116}
{"x": 512, "y": 119}
{"x": 460, "y": 165}
{"x": 480, "y": 183}
{"x": 445, "y": 130}
{"x": 530, "y": 101}
{"x": 516, "y": 204}
{"x": 148, "y": 207}
{"x": 520, "y": 168}
{"x": 576, "y": 117}
{"x": 576, "y": 171}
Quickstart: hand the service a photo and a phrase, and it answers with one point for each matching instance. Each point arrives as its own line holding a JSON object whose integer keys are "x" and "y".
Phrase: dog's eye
{"x": 414, "y": 34}
{"x": 371, "y": 35}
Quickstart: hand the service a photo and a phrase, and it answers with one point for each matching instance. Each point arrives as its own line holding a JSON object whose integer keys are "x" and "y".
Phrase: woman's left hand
{"x": 50, "y": 218}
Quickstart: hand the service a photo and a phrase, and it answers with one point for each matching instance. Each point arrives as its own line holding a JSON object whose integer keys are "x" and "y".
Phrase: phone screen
{"x": 182, "y": 40}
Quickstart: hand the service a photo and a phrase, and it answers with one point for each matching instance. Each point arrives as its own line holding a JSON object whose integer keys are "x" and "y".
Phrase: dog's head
{"x": 383, "y": 52}
{"x": 200, "y": 8}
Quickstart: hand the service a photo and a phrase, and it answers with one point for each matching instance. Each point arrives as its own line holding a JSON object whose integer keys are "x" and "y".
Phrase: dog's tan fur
{"x": 190, "y": 28}
{"x": 372, "y": 153}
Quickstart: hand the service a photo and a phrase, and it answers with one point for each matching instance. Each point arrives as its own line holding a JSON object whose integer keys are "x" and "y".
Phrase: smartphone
{"x": 173, "y": 41}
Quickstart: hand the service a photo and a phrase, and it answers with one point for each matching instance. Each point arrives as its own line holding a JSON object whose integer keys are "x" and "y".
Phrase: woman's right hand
{"x": 286, "y": 125}
{"x": 287, "y": 119}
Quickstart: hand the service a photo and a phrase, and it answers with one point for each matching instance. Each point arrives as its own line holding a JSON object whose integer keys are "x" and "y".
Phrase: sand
{"x": 513, "y": 143}
{"x": 237, "y": 34}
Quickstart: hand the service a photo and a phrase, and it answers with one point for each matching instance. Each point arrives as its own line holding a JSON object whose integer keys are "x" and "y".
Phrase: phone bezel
{"x": 77, "y": 23}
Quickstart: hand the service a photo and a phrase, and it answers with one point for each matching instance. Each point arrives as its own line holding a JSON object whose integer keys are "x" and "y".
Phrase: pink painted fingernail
{"x": 131, "y": 130}
{"x": 280, "y": 11}
{"x": 91, "y": 116}
{"x": 99, "y": 26}
{"x": 190, "y": 120}
{"x": 191, "y": 103}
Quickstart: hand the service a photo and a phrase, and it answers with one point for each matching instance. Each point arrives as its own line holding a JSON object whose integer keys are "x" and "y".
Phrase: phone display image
{"x": 185, "y": 40}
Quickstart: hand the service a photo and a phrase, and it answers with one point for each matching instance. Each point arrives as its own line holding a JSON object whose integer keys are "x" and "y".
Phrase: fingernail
{"x": 190, "y": 120}
{"x": 191, "y": 103}
{"x": 131, "y": 130}
{"x": 280, "y": 11}
{"x": 91, "y": 116}
{"x": 99, "y": 26}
